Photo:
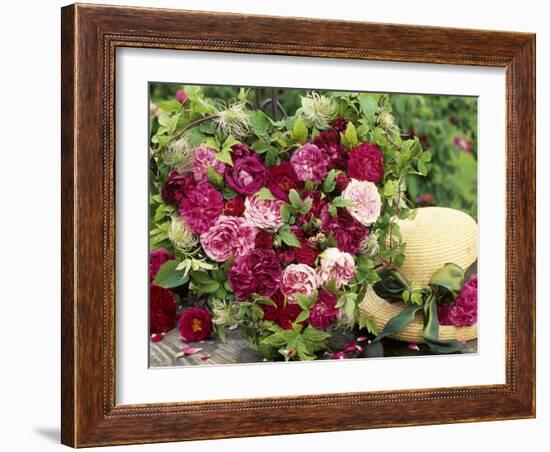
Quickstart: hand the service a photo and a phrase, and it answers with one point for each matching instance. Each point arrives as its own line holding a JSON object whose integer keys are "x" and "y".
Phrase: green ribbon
{"x": 444, "y": 287}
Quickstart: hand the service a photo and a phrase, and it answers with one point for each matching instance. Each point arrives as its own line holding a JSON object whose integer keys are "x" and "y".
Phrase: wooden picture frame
{"x": 90, "y": 36}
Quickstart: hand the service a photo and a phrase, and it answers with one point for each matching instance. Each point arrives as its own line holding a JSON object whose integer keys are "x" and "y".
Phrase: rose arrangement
{"x": 274, "y": 227}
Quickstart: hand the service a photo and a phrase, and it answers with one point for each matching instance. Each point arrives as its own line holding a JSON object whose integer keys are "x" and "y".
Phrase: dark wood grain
{"x": 90, "y": 36}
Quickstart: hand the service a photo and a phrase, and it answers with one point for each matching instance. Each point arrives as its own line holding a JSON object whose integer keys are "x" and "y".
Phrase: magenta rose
{"x": 176, "y": 187}
{"x": 463, "y": 312}
{"x": 234, "y": 207}
{"x": 181, "y": 96}
{"x": 323, "y": 314}
{"x": 247, "y": 175}
{"x": 156, "y": 259}
{"x": 329, "y": 143}
{"x": 366, "y": 163}
{"x": 203, "y": 158}
{"x": 195, "y": 324}
{"x": 240, "y": 150}
{"x": 201, "y": 208}
{"x": 162, "y": 310}
{"x": 230, "y": 236}
{"x": 282, "y": 178}
{"x": 316, "y": 208}
{"x": 347, "y": 231}
{"x": 258, "y": 271}
{"x": 309, "y": 163}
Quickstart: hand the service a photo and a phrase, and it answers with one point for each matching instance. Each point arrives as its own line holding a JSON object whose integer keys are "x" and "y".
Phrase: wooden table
{"x": 167, "y": 353}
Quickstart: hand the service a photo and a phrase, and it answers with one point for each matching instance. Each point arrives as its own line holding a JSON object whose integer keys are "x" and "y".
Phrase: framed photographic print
{"x": 269, "y": 232}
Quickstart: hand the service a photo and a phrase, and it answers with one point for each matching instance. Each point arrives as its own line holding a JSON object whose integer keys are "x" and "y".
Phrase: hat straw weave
{"x": 435, "y": 237}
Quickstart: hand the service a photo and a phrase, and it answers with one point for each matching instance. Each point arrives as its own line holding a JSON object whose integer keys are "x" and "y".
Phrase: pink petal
{"x": 337, "y": 355}
{"x": 414, "y": 347}
{"x": 157, "y": 337}
{"x": 190, "y": 350}
{"x": 205, "y": 357}
{"x": 362, "y": 338}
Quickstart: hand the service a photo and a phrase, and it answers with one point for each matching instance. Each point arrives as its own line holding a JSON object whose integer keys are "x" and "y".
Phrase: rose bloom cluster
{"x": 463, "y": 312}
{"x": 238, "y": 224}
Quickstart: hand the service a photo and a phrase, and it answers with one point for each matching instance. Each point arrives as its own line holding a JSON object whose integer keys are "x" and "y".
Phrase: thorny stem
{"x": 191, "y": 125}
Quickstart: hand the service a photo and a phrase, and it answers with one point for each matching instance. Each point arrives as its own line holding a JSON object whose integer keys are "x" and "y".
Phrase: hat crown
{"x": 435, "y": 237}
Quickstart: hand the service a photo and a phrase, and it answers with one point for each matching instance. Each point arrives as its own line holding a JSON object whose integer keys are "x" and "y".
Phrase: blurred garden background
{"x": 445, "y": 125}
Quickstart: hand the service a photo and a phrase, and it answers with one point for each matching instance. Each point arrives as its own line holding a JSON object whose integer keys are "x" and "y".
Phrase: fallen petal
{"x": 190, "y": 350}
{"x": 205, "y": 357}
{"x": 414, "y": 347}
{"x": 337, "y": 355}
{"x": 157, "y": 337}
{"x": 362, "y": 339}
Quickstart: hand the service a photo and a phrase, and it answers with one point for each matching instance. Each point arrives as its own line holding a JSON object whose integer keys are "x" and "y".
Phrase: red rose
{"x": 281, "y": 178}
{"x": 283, "y": 315}
{"x": 162, "y": 310}
{"x": 258, "y": 271}
{"x": 341, "y": 182}
{"x": 264, "y": 240}
{"x": 339, "y": 125}
{"x": 306, "y": 255}
{"x": 366, "y": 163}
{"x": 176, "y": 187}
{"x": 234, "y": 207}
{"x": 323, "y": 314}
{"x": 247, "y": 175}
{"x": 347, "y": 231}
{"x": 195, "y": 324}
{"x": 329, "y": 143}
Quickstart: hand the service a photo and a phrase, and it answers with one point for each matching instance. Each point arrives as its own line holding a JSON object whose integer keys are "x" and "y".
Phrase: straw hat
{"x": 435, "y": 237}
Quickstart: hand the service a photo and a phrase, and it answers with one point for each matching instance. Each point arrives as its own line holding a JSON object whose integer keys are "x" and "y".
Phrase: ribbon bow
{"x": 444, "y": 287}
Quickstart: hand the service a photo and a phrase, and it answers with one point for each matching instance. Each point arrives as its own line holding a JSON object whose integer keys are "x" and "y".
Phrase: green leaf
{"x": 225, "y": 156}
{"x": 314, "y": 335}
{"x": 168, "y": 277}
{"x": 214, "y": 177}
{"x": 303, "y": 301}
{"x": 389, "y": 188}
{"x": 294, "y": 198}
{"x": 446, "y": 346}
{"x": 299, "y": 131}
{"x": 349, "y": 137}
{"x": 329, "y": 184}
{"x": 271, "y": 156}
{"x": 170, "y": 106}
{"x": 422, "y": 168}
{"x": 228, "y": 193}
{"x": 288, "y": 237}
{"x": 286, "y": 212}
{"x": 306, "y": 205}
{"x": 201, "y": 277}
{"x": 368, "y": 106}
{"x": 259, "y": 123}
{"x": 341, "y": 202}
{"x": 264, "y": 194}
{"x": 302, "y": 316}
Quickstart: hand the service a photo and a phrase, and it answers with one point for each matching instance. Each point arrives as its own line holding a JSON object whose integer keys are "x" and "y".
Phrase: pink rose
{"x": 309, "y": 163}
{"x": 366, "y": 201}
{"x": 336, "y": 266}
{"x": 298, "y": 278}
{"x": 263, "y": 213}
{"x": 203, "y": 158}
{"x": 229, "y": 236}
